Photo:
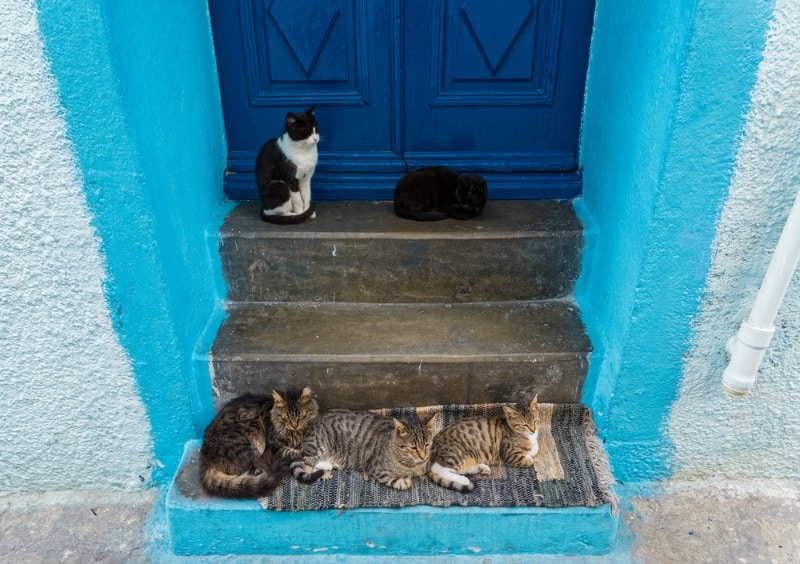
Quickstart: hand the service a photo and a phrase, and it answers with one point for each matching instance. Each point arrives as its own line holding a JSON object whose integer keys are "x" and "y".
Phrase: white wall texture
{"x": 759, "y": 436}
{"x": 71, "y": 414}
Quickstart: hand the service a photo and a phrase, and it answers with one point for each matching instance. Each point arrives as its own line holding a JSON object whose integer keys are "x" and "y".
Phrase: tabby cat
{"x": 388, "y": 450}
{"x": 469, "y": 445}
{"x": 437, "y": 192}
{"x": 248, "y": 446}
{"x": 284, "y": 168}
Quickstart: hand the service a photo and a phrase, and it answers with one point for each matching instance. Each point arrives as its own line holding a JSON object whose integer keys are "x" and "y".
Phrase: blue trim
{"x": 529, "y": 186}
{"x": 137, "y": 82}
{"x": 244, "y": 527}
{"x": 669, "y": 86}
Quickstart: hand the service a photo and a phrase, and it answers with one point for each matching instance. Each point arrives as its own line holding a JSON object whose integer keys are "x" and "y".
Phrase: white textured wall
{"x": 758, "y": 436}
{"x": 71, "y": 415}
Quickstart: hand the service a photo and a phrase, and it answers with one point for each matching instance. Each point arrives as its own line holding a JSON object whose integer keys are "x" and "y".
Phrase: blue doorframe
{"x": 495, "y": 88}
{"x": 668, "y": 94}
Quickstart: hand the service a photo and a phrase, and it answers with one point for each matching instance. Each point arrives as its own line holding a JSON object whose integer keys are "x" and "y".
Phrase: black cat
{"x": 437, "y": 192}
{"x": 284, "y": 168}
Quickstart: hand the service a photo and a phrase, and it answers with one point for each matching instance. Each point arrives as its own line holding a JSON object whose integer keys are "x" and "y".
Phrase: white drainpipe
{"x": 748, "y": 345}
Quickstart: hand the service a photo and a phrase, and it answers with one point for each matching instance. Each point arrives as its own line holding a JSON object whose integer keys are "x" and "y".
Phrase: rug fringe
{"x": 599, "y": 460}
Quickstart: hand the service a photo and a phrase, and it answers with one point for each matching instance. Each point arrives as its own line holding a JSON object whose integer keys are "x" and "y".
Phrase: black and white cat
{"x": 284, "y": 168}
{"x": 437, "y": 192}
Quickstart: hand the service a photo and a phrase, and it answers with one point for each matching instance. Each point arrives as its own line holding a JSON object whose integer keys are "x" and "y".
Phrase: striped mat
{"x": 571, "y": 469}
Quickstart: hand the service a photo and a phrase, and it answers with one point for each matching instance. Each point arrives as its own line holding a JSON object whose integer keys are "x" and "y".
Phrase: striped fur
{"x": 469, "y": 445}
{"x": 390, "y": 451}
{"x": 248, "y": 446}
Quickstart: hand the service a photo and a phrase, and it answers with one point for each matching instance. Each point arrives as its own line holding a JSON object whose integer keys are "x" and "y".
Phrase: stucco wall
{"x": 668, "y": 89}
{"x": 72, "y": 416}
{"x": 137, "y": 83}
{"x": 757, "y": 436}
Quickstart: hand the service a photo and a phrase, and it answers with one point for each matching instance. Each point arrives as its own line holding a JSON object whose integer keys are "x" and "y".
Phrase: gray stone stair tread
{"x": 401, "y": 332}
{"x": 500, "y": 219}
{"x": 361, "y": 252}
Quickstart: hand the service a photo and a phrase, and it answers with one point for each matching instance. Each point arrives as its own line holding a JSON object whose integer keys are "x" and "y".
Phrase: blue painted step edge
{"x": 214, "y": 527}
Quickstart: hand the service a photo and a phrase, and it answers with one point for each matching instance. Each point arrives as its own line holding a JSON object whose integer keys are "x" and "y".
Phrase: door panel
{"x": 489, "y": 86}
{"x": 276, "y": 56}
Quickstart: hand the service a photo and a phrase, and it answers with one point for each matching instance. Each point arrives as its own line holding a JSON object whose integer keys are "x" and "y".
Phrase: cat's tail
{"x": 247, "y": 485}
{"x": 449, "y": 478}
{"x": 301, "y": 475}
{"x": 288, "y": 219}
{"x": 240, "y": 485}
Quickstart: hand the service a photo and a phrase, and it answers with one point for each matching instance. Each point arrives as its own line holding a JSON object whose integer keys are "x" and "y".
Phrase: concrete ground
{"x": 75, "y": 527}
{"x": 736, "y": 523}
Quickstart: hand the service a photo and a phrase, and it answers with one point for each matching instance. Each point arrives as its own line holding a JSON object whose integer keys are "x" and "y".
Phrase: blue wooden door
{"x": 488, "y": 86}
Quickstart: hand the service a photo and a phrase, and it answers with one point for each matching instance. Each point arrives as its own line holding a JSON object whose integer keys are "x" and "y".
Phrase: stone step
{"x": 357, "y": 251}
{"x": 374, "y": 311}
{"x": 388, "y": 355}
{"x": 200, "y": 525}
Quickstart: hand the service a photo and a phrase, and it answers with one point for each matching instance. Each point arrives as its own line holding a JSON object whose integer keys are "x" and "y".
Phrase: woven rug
{"x": 571, "y": 469}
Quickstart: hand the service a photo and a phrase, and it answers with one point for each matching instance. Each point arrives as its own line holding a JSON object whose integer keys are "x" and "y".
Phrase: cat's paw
{"x": 291, "y": 453}
{"x": 326, "y": 468}
{"x": 401, "y": 484}
{"x": 481, "y": 469}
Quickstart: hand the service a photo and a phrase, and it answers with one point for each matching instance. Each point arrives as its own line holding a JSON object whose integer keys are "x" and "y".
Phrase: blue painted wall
{"x": 137, "y": 81}
{"x": 668, "y": 88}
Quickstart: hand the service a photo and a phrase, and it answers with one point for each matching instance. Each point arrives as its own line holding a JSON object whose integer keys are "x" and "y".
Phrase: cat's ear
{"x": 534, "y": 403}
{"x": 433, "y": 422}
{"x": 510, "y": 412}
{"x": 291, "y": 119}
{"x": 277, "y": 398}
{"x": 305, "y": 395}
{"x": 460, "y": 186}
{"x": 400, "y": 427}
{"x": 310, "y": 111}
